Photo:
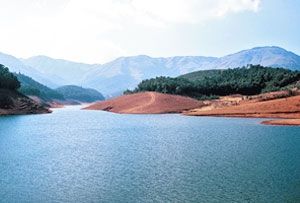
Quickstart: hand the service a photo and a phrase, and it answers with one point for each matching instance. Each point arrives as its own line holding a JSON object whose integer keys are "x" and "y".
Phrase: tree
{"x": 7, "y": 79}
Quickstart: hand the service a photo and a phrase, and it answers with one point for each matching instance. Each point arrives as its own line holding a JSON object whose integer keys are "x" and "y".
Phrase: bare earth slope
{"x": 287, "y": 108}
{"x": 19, "y": 104}
{"x": 147, "y": 103}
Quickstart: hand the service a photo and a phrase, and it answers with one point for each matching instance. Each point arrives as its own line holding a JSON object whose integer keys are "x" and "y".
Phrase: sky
{"x": 97, "y": 31}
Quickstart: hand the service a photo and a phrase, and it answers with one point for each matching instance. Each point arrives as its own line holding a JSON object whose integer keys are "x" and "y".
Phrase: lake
{"x": 92, "y": 156}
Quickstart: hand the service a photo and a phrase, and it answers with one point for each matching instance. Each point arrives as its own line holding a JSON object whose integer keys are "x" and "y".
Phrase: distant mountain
{"x": 266, "y": 56}
{"x": 16, "y": 65}
{"x": 127, "y": 72}
{"x": 65, "y": 72}
{"x": 79, "y": 94}
{"x": 31, "y": 87}
{"x": 114, "y": 77}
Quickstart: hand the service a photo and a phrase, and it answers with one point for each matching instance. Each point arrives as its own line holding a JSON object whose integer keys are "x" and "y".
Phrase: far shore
{"x": 286, "y": 109}
{"x": 275, "y": 105}
{"x": 288, "y": 122}
{"x": 279, "y": 119}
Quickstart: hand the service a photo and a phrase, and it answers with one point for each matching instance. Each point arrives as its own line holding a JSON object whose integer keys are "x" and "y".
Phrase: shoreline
{"x": 275, "y": 105}
{"x": 19, "y": 104}
{"x": 274, "y": 120}
{"x": 287, "y": 110}
{"x": 282, "y": 122}
{"x": 5, "y": 112}
{"x": 282, "y": 119}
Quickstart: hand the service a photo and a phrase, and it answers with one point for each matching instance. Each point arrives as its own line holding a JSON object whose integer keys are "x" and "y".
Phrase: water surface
{"x": 92, "y": 156}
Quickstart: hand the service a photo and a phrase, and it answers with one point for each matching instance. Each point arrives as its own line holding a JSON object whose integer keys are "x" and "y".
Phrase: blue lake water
{"x": 93, "y": 156}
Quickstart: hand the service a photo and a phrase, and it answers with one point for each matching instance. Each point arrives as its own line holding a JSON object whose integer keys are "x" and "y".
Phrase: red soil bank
{"x": 146, "y": 103}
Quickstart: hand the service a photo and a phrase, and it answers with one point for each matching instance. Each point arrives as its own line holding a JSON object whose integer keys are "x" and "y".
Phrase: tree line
{"x": 250, "y": 80}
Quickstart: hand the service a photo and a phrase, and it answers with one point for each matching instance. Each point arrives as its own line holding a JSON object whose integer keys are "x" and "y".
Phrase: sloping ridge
{"x": 147, "y": 103}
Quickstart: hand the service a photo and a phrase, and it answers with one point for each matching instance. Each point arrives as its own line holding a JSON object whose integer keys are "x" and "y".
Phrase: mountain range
{"x": 123, "y": 73}
{"x": 62, "y": 71}
{"x": 16, "y": 65}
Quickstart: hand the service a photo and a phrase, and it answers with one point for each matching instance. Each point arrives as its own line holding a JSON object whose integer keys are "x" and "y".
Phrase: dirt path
{"x": 137, "y": 108}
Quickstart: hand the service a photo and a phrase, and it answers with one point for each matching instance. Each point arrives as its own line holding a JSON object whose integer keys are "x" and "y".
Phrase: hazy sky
{"x": 96, "y": 31}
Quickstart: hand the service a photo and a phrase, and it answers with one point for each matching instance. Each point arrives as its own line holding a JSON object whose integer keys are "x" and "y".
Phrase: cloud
{"x": 156, "y": 12}
{"x": 81, "y": 29}
{"x": 192, "y": 11}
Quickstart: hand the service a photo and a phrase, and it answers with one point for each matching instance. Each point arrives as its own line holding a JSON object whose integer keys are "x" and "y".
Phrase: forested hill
{"x": 249, "y": 80}
{"x": 13, "y": 102}
{"x": 76, "y": 93}
{"x": 8, "y": 88}
{"x": 7, "y": 79}
{"x": 30, "y": 87}
{"x": 33, "y": 88}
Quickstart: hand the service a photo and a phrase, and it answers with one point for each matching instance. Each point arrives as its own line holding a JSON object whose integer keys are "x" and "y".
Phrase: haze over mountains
{"x": 62, "y": 71}
{"x": 126, "y": 72}
{"x": 16, "y": 65}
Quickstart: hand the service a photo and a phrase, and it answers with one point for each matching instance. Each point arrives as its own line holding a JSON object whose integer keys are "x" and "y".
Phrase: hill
{"x": 31, "y": 87}
{"x": 270, "y": 56}
{"x": 79, "y": 94}
{"x": 13, "y": 102}
{"x": 249, "y": 80}
{"x": 146, "y": 103}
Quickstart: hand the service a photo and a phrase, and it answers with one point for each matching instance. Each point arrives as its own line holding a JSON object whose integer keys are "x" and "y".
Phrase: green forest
{"x": 250, "y": 80}
{"x": 7, "y": 79}
{"x": 73, "y": 92}
{"x": 34, "y": 88}
{"x": 25, "y": 85}
{"x": 8, "y": 83}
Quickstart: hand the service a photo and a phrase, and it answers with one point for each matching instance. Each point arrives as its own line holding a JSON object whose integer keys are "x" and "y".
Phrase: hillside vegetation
{"x": 8, "y": 82}
{"x": 249, "y": 80}
{"x": 12, "y": 101}
{"x": 7, "y": 79}
{"x": 72, "y": 92}
{"x": 34, "y": 88}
